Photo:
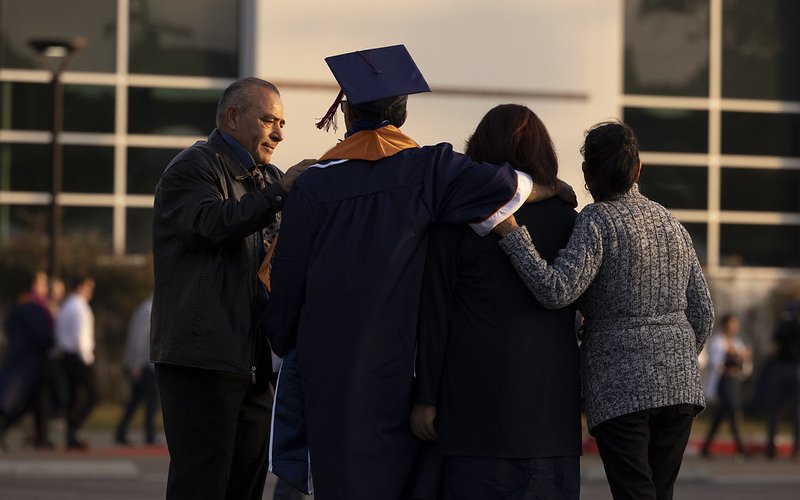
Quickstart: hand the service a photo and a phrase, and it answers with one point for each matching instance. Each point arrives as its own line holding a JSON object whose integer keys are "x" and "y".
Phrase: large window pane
{"x": 25, "y": 167}
{"x": 145, "y": 166}
{"x": 669, "y": 130}
{"x": 95, "y": 20}
{"x": 760, "y": 189}
{"x": 92, "y": 225}
{"x": 675, "y": 187}
{"x": 666, "y": 47}
{"x": 699, "y": 234}
{"x": 760, "y": 49}
{"x": 88, "y": 169}
{"x": 23, "y": 220}
{"x": 26, "y": 106}
{"x": 773, "y": 134}
{"x": 185, "y": 38}
{"x": 89, "y": 108}
{"x": 751, "y": 245}
{"x": 139, "y": 233}
{"x": 172, "y": 111}
{"x": 29, "y": 106}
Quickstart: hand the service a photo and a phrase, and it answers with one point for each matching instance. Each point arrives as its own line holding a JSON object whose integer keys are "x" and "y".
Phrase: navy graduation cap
{"x": 367, "y": 76}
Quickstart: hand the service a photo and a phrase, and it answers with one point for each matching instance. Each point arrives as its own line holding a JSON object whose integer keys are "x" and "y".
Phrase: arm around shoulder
{"x": 561, "y": 283}
{"x": 287, "y": 180}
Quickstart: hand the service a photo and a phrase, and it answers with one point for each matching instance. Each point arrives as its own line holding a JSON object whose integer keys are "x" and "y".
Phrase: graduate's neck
{"x": 360, "y": 125}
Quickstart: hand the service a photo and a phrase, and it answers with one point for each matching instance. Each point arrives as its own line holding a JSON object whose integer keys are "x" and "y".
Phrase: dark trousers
{"x": 727, "y": 392}
{"x": 82, "y": 393}
{"x": 40, "y": 399}
{"x": 485, "y": 478}
{"x": 37, "y": 404}
{"x": 784, "y": 398}
{"x": 143, "y": 390}
{"x": 642, "y": 451}
{"x": 217, "y": 429}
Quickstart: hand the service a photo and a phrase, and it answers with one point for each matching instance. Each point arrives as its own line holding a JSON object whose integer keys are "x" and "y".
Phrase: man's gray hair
{"x": 237, "y": 95}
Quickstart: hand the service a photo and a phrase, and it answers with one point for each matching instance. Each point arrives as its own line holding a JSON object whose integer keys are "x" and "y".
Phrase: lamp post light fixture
{"x": 58, "y": 53}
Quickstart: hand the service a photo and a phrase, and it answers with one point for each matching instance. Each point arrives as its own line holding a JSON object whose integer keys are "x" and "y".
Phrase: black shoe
{"x": 77, "y": 444}
{"x": 3, "y": 429}
{"x": 122, "y": 440}
{"x": 43, "y": 444}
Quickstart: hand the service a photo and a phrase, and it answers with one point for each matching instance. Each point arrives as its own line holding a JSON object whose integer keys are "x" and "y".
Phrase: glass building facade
{"x": 712, "y": 88}
{"x": 144, "y": 87}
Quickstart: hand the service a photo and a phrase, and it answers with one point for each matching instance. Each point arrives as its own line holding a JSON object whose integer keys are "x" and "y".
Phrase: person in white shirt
{"x": 140, "y": 371}
{"x": 75, "y": 341}
{"x": 729, "y": 362}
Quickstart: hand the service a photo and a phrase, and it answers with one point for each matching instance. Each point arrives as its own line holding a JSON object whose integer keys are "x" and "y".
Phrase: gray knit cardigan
{"x": 634, "y": 272}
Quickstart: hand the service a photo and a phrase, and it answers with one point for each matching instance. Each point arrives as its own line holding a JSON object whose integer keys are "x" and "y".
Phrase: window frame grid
{"x": 714, "y": 160}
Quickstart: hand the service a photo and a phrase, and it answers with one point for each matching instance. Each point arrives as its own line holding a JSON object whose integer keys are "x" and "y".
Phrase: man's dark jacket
{"x": 207, "y": 248}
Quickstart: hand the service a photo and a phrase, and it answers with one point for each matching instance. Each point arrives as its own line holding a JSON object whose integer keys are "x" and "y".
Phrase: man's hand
{"x": 422, "y": 417}
{"x": 506, "y": 227}
{"x": 287, "y": 181}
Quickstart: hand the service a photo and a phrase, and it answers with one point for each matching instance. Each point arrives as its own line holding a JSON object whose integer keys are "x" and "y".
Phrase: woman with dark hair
{"x": 496, "y": 371}
{"x": 633, "y": 271}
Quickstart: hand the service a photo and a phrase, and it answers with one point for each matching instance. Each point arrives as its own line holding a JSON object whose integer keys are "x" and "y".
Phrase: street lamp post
{"x": 59, "y": 53}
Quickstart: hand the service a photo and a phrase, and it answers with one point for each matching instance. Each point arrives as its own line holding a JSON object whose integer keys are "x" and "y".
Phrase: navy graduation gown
{"x": 346, "y": 281}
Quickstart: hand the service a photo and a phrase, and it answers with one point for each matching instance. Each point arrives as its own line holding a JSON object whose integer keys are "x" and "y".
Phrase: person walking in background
{"x": 57, "y": 389}
{"x": 482, "y": 332}
{"x": 214, "y": 220}
{"x": 75, "y": 342}
{"x": 634, "y": 272}
{"x": 23, "y": 374}
{"x": 783, "y": 394}
{"x": 57, "y": 292}
{"x": 729, "y": 361}
{"x": 139, "y": 370}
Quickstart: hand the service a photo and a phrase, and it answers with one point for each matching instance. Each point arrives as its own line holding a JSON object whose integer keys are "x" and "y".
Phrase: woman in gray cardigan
{"x": 633, "y": 271}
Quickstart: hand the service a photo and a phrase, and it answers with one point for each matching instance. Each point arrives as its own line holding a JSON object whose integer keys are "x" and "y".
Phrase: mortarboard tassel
{"x": 330, "y": 117}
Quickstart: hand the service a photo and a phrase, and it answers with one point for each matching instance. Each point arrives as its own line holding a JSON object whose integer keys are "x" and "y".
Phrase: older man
{"x": 215, "y": 217}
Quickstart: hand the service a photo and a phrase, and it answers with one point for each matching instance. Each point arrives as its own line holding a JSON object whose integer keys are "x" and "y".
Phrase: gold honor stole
{"x": 371, "y": 145}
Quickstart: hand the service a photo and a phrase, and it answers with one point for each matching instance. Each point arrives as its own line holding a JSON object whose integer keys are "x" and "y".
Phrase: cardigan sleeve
{"x": 563, "y": 282}
{"x": 699, "y": 308}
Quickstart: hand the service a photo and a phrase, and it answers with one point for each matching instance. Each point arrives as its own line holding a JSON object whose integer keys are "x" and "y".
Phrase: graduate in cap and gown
{"x": 347, "y": 273}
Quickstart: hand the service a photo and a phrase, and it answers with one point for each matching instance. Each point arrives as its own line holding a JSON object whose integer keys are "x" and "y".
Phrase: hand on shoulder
{"x": 287, "y": 181}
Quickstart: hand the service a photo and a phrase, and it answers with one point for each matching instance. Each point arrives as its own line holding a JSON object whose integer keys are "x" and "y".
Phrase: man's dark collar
{"x": 242, "y": 154}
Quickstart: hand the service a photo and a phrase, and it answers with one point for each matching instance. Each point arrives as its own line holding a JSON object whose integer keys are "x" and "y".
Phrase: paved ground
{"x": 137, "y": 473}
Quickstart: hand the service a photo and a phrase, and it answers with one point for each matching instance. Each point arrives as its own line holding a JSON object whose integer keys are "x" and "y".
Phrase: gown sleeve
{"x": 466, "y": 191}
{"x": 435, "y": 304}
